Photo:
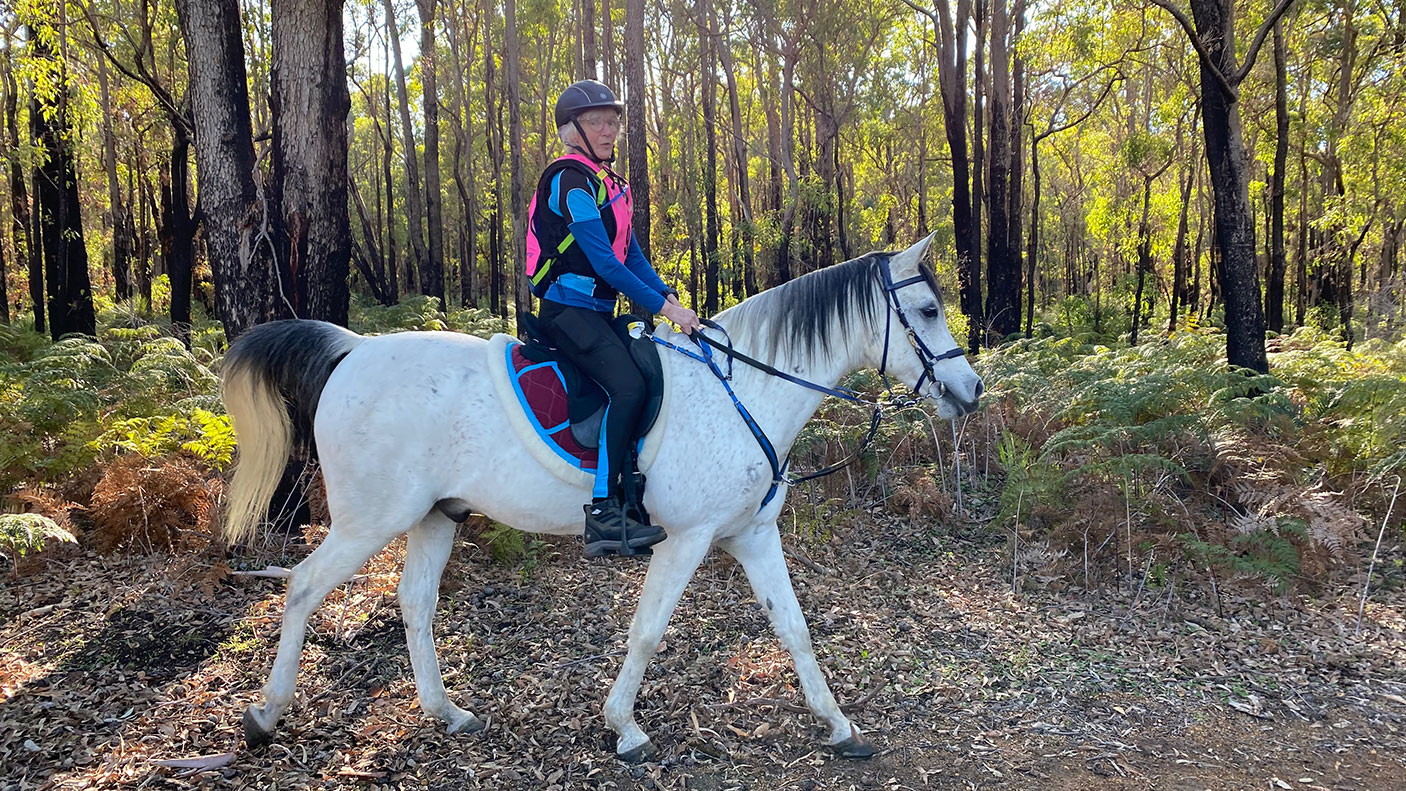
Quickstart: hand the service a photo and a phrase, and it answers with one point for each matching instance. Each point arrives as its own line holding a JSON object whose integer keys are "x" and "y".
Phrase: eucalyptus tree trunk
{"x": 310, "y": 108}
{"x": 636, "y": 115}
{"x": 232, "y": 208}
{"x": 1032, "y": 252}
{"x": 1234, "y": 222}
{"x": 112, "y": 219}
{"x": 414, "y": 198}
{"x": 706, "y": 31}
{"x": 388, "y": 154}
{"x": 1002, "y": 280}
{"x": 607, "y": 55}
{"x": 495, "y": 156}
{"x": 739, "y": 144}
{"x": 588, "y": 32}
{"x": 432, "y": 270}
{"x": 25, "y": 250}
{"x": 1015, "y": 197}
{"x": 979, "y": 166}
{"x": 522, "y": 295}
{"x": 1144, "y": 255}
{"x": 1274, "y": 292}
{"x": 462, "y": 40}
{"x": 1301, "y": 249}
{"x": 951, "y": 37}
{"x": 1179, "y": 251}
{"x": 58, "y": 211}
{"x": 178, "y": 231}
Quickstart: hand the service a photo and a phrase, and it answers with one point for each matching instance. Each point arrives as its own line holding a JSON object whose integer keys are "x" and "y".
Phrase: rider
{"x": 581, "y": 254}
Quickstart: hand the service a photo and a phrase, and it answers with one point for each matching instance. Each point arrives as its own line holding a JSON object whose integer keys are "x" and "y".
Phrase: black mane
{"x": 800, "y": 316}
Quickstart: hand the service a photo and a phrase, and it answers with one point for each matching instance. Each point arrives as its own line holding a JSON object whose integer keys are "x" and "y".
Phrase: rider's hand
{"x": 686, "y": 319}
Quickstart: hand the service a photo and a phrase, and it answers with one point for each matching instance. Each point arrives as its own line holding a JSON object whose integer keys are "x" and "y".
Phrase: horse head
{"x": 916, "y": 345}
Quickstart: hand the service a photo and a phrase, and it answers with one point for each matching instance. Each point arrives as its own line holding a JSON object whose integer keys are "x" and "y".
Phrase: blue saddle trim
{"x": 546, "y": 434}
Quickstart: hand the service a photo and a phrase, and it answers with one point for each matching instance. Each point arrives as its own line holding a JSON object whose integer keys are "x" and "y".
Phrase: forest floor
{"x": 112, "y": 663}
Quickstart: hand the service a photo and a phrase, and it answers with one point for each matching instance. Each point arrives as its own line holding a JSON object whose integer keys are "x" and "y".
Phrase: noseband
{"x": 925, "y": 355}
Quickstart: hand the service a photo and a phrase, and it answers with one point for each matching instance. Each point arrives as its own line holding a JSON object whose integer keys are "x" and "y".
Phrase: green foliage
{"x": 1167, "y": 431}
{"x": 1268, "y": 554}
{"x": 420, "y": 312}
{"x": 64, "y": 405}
{"x": 21, "y": 534}
{"x": 510, "y": 547}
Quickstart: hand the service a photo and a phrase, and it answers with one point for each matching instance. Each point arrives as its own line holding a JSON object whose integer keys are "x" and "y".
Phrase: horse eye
{"x": 929, "y": 312}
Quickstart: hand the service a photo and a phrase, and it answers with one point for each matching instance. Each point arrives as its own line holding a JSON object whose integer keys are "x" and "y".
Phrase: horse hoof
{"x": 640, "y": 754}
{"x": 856, "y": 747}
{"x": 254, "y": 735}
{"x": 467, "y": 726}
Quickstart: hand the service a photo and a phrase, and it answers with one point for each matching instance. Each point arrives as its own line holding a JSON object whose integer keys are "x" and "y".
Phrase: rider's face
{"x": 602, "y": 127}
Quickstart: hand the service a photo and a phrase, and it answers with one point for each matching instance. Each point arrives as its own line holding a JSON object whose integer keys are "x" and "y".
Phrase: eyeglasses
{"x": 597, "y": 122}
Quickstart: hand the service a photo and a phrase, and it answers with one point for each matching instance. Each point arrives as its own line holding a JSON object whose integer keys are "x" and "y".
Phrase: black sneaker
{"x": 609, "y": 531}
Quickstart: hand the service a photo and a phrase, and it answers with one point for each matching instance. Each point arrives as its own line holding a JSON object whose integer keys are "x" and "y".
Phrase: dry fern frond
{"x": 162, "y": 503}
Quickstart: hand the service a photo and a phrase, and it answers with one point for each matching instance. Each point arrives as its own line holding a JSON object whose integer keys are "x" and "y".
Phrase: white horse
{"x": 411, "y": 438}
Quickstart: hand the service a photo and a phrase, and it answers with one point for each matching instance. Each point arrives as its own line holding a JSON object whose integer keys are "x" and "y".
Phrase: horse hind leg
{"x": 344, "y": 551}
{"x": 426, "y": 551}
{"x": 761, "y": 557}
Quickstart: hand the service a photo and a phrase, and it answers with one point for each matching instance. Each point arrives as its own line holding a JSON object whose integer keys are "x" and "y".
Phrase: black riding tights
{"x": 587, "y": 339}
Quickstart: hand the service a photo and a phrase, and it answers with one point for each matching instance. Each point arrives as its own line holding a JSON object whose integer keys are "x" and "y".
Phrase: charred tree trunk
{"x": 25, "y": 249}
{"x": 414, "y": 198}
{"x": 231, "y": 205}
{"x": 1221, "y": 76}
{"x": 112, "y": 219}
{"x": 522, "y": 295}
{"x": 710, "y": 168}
{"x": 952, "y": 82}
{"x": 310, "y": 107}
{"x": 1002, "y": 281}
{"x": 432, "y": 270}
{"x": 1015, "y": 196}
{"x": 1274, "y": 292}
{"x": 58, "y": 212}
{"x": 179, "y": 234}
{"x": 495, "y": 155}
{"x": 638, "y": 122}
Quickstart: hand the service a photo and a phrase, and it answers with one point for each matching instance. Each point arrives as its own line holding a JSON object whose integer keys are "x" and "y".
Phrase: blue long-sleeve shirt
{"x": 634, "y": 277}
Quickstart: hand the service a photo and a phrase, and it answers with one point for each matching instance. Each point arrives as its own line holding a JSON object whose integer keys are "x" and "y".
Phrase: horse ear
{"x": 905, "y": 264}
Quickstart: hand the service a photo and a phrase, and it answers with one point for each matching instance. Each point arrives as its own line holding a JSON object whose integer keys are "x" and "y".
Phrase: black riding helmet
{"x": 579, "y": 97}
{"x": 582, "y": 96}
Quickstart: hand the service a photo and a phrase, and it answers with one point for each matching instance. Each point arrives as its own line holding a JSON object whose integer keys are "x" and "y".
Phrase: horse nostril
{"x": 980, "y": 388}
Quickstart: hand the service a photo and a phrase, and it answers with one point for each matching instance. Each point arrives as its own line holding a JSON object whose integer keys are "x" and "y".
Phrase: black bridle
{"x": 779, "y": 466}
{"x": 925, "y": 355}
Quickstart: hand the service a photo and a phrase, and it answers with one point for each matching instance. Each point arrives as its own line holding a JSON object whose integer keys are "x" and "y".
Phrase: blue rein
{"x": 779, "y": 466}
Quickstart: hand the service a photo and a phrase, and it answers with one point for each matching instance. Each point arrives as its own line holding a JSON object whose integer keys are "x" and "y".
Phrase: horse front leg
{"x": 670, "y": 569}
{"x": 427, "y": 549}
{"x": 759, "y": 552}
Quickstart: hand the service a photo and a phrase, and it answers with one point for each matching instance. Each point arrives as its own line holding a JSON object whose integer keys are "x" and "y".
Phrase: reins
{"x": 779, "y": 467}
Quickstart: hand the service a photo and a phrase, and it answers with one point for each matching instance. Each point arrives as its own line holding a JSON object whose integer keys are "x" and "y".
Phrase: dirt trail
{"x": 111, "y": 663}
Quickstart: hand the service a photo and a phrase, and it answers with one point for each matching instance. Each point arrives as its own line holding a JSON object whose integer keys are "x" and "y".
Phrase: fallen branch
{"x": 198, "y": 762}
{"x": 1362, "y": 605}
{"x": 801, "y": 558}
{"x": 592, "y": 658}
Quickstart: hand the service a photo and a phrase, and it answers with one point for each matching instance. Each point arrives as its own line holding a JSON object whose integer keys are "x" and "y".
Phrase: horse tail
{"x": 271, "y": 380}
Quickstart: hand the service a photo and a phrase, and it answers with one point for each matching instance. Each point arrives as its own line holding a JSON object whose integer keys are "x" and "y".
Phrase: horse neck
{"x": 782, "y": 408}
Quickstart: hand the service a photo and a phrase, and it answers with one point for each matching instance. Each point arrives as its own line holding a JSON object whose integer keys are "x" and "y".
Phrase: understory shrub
{"x": 1114, "y": 455}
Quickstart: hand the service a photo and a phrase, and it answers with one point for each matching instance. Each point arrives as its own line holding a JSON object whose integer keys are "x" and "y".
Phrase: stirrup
{"x": 615, "y": 533}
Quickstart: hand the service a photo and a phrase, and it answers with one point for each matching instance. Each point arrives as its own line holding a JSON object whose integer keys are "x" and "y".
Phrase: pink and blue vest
{"x": 552, "y": 250}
